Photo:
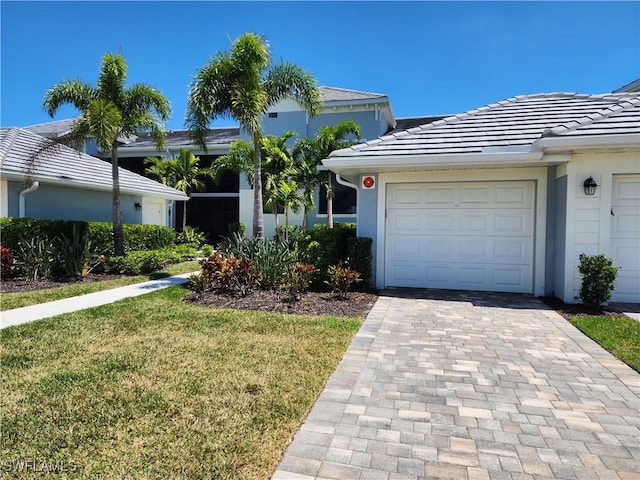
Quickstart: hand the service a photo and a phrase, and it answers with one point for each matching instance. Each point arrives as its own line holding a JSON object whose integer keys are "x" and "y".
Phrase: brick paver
{"x": 467, "y": 385}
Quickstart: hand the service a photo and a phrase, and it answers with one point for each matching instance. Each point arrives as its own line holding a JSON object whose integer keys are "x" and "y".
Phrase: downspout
{"x": 342, "y": 181}
{"x": 34, "y": 186}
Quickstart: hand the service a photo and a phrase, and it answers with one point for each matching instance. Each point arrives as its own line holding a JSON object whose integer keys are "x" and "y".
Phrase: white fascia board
{"x": 384, "y": 163}
{"x": 589, "y": 142}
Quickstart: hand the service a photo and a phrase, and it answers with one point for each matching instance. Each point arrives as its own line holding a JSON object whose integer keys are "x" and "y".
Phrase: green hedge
{"x": 360, "y": 259}
{"x": 136, "y": 237}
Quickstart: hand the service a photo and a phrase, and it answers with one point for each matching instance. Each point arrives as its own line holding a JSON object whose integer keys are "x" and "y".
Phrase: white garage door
{"x": 467, "y": 236}
{"x": 625, "y": 237}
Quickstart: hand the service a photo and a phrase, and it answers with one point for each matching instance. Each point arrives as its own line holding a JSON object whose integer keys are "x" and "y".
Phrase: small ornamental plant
{"x": 598, "y": 280}
{"x": 299, "y": 278}
{"x": 230, "y": 274}
{"x": 6, "y": 258}
{"x": 341, "y": 279}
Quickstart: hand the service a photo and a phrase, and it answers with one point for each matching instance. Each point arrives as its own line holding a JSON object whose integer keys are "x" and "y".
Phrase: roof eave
{"x": 630, "y": 141}
{"x": 72, "y": 182}
{"x": 408, "y": 163}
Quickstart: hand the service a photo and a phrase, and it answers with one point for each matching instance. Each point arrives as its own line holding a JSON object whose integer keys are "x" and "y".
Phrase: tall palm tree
{"x": 242, "y": 84}
{"x": 311, "y": 152}
{"x": 110, "y": 111}
{"x": 182, "y": 173}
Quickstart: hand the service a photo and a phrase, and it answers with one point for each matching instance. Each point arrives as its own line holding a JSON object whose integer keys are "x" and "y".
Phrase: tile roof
{"x": 334, "y": 94}
{"x": 514, "y": 123}
{"x": 54, "y": 129}
{"x": 411, "y": 122}
{"x": 66, "y": 165}
{"x": 180, "y": 139}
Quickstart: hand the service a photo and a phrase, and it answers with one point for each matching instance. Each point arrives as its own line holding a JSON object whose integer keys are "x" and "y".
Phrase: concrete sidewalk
{"x": 19, "y": 316}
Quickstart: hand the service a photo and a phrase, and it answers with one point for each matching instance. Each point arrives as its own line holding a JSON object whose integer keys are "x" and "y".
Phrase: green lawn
{"x": 152, "y": 387}
{"x": 9, "y": 301}
{"x": 618, "y": 335}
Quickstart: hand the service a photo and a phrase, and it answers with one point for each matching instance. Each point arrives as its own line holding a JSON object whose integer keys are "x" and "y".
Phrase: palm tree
{"x": 110, "y": 111}
{"x": 277, "y": 168}
{"x": 182, "y": 173}
{"x": 242, "y": 84}
{"x": 311, "y": 152}
{"x": 277, "y": 165}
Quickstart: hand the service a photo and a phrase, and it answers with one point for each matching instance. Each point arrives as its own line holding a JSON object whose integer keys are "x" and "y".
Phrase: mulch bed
{"x": 357, "y": 304}
{"x": 578, "y": 310}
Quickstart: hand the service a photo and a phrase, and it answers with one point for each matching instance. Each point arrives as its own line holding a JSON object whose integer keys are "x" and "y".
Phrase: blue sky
{"x": 429, "y": 57}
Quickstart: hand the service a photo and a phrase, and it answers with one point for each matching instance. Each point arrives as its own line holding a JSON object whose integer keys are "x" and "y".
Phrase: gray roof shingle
{"x": 66, "y": 165}
{"x": 180, "y": 139}
{"x": 513, "y": 123}
{"x": 334, "y": 94}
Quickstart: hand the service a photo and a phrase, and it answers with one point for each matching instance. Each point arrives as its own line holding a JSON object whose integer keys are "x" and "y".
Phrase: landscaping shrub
{"x": 74, "y": 254}
{"x": 6, "y": 262}
{"x": 191, "y": 235}
{"x": 15, "y": 230}
{"x": 598, "y": 279}
{"x": 299, "y": 278}
{"x": 36, "y": 258}
{"x": 360, "y": 258}
{"x": 340, "y": 279}
{"x": 100, "y": 234}
{"x": 141, "y": 261}
{"x": 272, "y": 258}
{"x": 229, "y": 274}
{"x": 237, "y": 227}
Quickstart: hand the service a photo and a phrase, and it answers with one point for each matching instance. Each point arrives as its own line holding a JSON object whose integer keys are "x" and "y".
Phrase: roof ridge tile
{"x": 7, "y": 142}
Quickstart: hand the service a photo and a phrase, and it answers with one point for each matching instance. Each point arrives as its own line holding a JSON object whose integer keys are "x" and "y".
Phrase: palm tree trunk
{"x": 184, "y": 215}
{"x": 118, "y": 234}
{"x": 258, "y": 214}
{"x": 330, "y": 202}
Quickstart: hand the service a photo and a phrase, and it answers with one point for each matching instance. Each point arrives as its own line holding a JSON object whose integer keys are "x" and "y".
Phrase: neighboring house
{"x": 232, "y": 199}
{"x": 494, "y": 199}
{"x": 71, "y": 185}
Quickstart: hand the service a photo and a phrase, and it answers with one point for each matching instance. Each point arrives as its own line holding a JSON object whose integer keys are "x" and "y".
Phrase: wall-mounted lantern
{"x": 138, "y": 206}
{"x": 590, "y": 186}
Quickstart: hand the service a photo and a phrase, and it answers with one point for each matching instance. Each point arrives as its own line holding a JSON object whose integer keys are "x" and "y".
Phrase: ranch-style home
{"x": 70, "y": 185}
{"x": 505, "y": 197}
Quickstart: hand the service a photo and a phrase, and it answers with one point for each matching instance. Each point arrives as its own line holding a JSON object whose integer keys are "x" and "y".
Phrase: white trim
{"x": 588, "y": 142}
{"x": 4, "y": 198}
{"x": 394, "y": 163}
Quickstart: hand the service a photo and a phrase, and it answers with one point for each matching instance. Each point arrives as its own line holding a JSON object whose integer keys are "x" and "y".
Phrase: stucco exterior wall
{"x": 57, "y": 202}
{"x": 588, "y": 218}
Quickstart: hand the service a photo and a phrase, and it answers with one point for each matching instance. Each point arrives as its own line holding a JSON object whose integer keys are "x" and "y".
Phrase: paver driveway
{"x": 470, "y": 386}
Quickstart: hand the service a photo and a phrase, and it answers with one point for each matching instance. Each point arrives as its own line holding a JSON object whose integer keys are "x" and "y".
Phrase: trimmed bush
{"x": 360, "y": 258}
{"x": 141, "y": 261}
{"x": 99, "y": 234}
{"x": 598, "y": 279}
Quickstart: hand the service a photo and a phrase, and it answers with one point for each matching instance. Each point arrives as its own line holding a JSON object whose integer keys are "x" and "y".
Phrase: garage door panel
{"x": 461, "y": 238}
{"x": 625, "y": 237}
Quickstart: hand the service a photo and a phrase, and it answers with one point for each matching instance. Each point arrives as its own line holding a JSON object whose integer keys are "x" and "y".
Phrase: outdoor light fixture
{"x": 139, "y": 206}
{"x": 590, "y": 186}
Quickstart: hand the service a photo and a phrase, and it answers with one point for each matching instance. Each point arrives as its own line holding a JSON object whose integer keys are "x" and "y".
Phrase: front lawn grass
{"x": 618, "y": 335}
{"x": 151, "y": 387}
{"x": 12, "y": 300}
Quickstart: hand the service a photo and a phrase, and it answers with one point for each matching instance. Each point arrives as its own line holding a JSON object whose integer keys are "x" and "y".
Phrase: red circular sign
{"x": 368, "y": 182}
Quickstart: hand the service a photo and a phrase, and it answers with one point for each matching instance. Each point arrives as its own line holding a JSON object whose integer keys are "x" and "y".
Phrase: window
{"x": 344, "y": 199}
{"x": 273, "y": 114}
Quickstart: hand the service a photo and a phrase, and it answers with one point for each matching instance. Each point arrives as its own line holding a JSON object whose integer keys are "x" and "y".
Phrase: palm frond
{"x": 69, "y": 92}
